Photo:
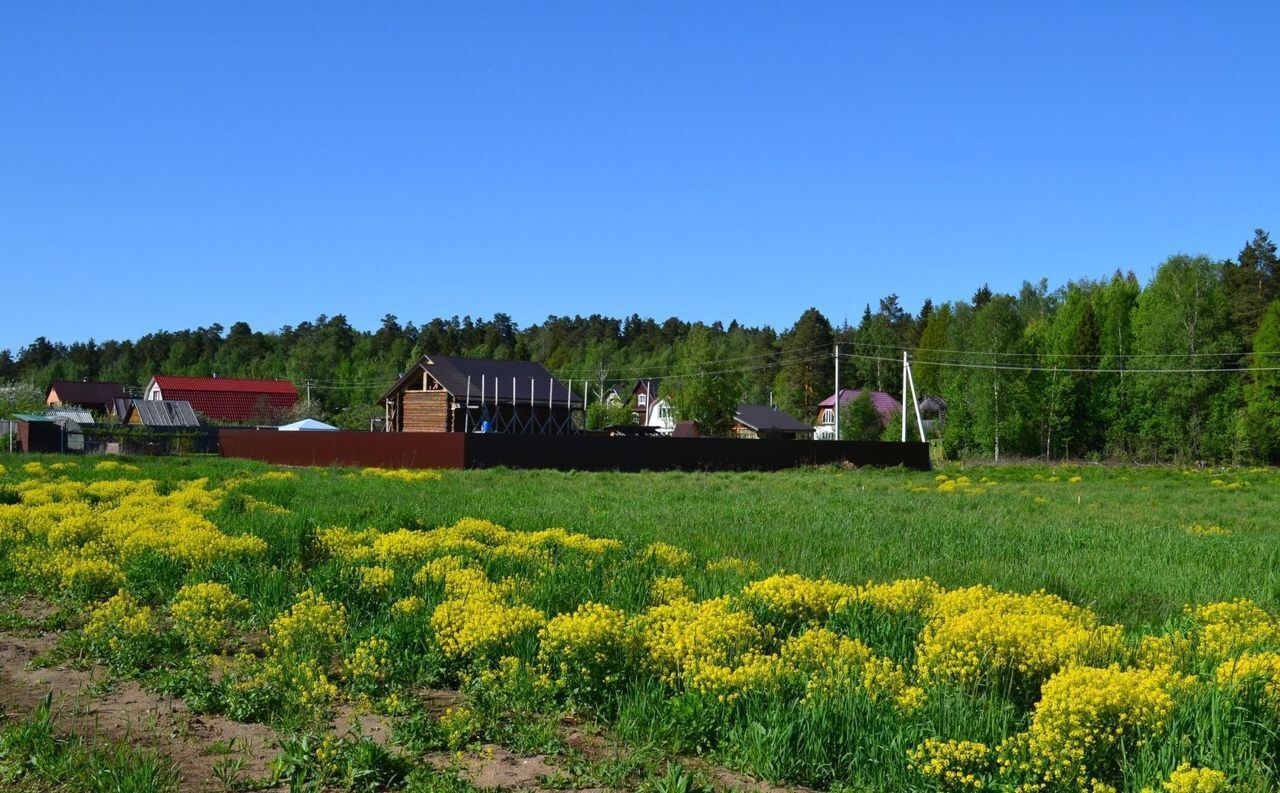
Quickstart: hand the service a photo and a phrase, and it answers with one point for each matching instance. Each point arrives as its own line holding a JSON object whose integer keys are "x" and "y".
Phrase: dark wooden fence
{"x": 563, "y": 452}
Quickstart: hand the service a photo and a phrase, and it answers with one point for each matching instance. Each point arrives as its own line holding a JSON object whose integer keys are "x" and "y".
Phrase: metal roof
{"x": 83, "y": 392}
{"x": 165, "y": 413}
{"x": 885, "y": 403}
{"x": 307, "y": 425}
{"x": 228, "y": 398}
{"x": 222, "y": 384}
{"x": 30, "y": 417}
{"x": 763, "y": 418}
{"x": 78, "y": 415}
{"x": 498, "y": 382}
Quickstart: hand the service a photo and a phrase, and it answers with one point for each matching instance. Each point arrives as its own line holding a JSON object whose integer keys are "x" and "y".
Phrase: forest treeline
{"x": 1185, "y": 367}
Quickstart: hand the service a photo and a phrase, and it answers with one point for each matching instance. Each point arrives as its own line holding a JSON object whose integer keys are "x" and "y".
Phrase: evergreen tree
{"x": 809, "y": 374}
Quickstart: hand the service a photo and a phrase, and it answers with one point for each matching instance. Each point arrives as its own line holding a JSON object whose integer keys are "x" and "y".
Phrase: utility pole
{"x": 837, "y": 405}
{"x": 308, "y": 397}
{"x": 904, "y": 396}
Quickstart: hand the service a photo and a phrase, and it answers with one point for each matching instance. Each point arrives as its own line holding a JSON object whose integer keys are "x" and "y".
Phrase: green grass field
{"x": 1117, "y": 540}
{"x": 286, "y": 607}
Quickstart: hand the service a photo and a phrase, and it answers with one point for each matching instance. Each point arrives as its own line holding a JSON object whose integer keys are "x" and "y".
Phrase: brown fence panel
{"x": 375, "y": 449}
{"x": 602, "y": 453}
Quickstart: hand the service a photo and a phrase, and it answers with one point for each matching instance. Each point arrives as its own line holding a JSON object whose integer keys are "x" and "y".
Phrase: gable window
{"x": 828, "y": 416}
{"x": 642, "y": 399}
{"x": 664, "y": 412}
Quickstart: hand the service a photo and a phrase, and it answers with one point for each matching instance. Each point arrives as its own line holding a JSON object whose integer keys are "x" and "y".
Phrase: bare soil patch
{"x": 125, "y": 712}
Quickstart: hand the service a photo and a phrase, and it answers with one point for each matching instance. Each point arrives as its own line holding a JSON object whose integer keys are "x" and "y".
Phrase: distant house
{"x": 825, "y": 427}
{"x": 446, "y": 394}
{"x": 99, "y": 397}
{"x": 226, "y": 398}
{"x": 661, "y": 416}
{"x": 160, "y": 414}
{"x": 644, "y": 396}
{"x": 933, "y": 414}
{"x": 765, "y": 421}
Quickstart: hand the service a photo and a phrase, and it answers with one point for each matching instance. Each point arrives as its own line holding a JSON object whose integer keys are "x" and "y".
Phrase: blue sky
{"x": 173, "y": 165}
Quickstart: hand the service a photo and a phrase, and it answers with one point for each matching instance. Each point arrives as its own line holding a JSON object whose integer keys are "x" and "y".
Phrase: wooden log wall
{"x": 426, "y": 411}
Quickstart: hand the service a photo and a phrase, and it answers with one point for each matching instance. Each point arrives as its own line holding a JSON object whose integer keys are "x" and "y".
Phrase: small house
{"x": 825, "y": 427}
{"x": 644, "y": 396}
{"x": 661, "y": 416}
{"x": 161, "y": 414}
{"x": 766, "y": 421}
{"x": 98, "y": 397}
{"x": 446, "y": 394}
{"x": 226, "y": 398}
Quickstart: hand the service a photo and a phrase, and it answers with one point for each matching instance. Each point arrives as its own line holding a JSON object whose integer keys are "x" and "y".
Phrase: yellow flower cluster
{"x": 906, "y": 596}
{"x": 118, "y": 627}
{"x": 408, "y": 606}
{"x": 796, "y": 598}
{"x": 978, "y": 634}
{"x": 405, "y": 474}
{"x": 1086, "y": 718}
{"x": 1257, "y": 672}
{"x": 1212, "y": 530}
{"x": 252, "y": 504}
{"x": 953, "y": 765}
{"x": 468, "y": 537}
{"x": 90, "y": 577}
{"x": 1187, "y": 778}
{"x": 1237, "y": 485}
{"x": 733, "y": 566}
{"x": 80, "y": 536}
{"x": 587, "y": 646}
{"x": 683, "y": 638}
{"x": 376, "y": 579}
{"x": 366, "y": 667}
{"x": 961, "y": 484}
{"x": 827, "y": 663}
{"x": 475, "y": 620}
{"x": 202, "y": 613}
{"x": 667, "y": 589}
{"x": 313, "y": 625}
{"x": 1230, "y": 628}
{"x": 114, "y": 465}
{"x": 668, "y": 555}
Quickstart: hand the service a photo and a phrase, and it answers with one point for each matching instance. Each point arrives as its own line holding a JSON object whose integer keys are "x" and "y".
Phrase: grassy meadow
{"x": 1014, "y": 627}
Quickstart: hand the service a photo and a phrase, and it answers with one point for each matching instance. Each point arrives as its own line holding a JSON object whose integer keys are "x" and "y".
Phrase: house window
{"x": 642, "y": 400}
{"x": 664, "y": 412}
{"x": 828, "y": 416}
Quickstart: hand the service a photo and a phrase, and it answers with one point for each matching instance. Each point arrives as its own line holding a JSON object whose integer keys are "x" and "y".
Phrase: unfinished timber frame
{"x": 472, "y": 395}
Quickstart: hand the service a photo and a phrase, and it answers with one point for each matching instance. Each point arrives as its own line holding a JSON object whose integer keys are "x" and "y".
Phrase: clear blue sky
{"x": 168, "y": 165}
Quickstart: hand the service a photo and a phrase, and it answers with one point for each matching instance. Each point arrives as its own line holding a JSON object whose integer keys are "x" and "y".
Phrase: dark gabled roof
{"x": 503, "y": 382}
{"x": 648, "y": 385}
{"x": 164, "y": 413}
{"x": 78, "y": 392}
{"x": 763, "y": 418}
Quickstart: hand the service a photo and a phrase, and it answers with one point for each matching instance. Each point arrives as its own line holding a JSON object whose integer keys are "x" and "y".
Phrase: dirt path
{"x": 197, "y": 744}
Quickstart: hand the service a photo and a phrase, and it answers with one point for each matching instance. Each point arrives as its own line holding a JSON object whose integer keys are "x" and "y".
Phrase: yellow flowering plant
{"x": 203, "y": 614}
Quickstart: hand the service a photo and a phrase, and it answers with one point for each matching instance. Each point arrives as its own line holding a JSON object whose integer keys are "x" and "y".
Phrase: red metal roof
{"x": 228, "y": 398}
{"x": 886, "y": 404}
{"x": 226, "y": 384}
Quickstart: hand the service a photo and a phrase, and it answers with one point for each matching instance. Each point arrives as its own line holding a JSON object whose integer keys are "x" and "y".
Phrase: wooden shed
{"x": 447, "y": 394}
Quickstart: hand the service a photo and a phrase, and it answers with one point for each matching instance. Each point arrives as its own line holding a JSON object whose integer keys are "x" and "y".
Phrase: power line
{"x": 1042, "y": 355}
{"x": 1064, "y": 369}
